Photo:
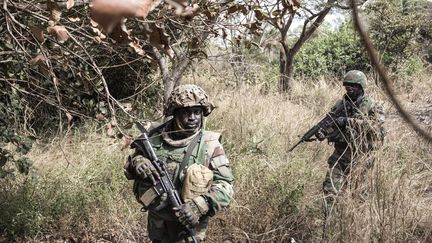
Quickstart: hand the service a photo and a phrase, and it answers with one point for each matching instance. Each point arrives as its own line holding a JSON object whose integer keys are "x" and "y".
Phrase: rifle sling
{"x": 158, "y": 128}
{"x": 185, "y": 160}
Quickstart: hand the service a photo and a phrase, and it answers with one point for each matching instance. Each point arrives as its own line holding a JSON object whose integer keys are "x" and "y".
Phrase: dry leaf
{"x": 38, "y": 33}
{"x": 157, "y": 37}
{"x": 137, "y": 48}
{"x": 59, "y": 32}
{"x": 74, "y": 19}
{"x": 108, "y": 13}
{"x": 54, "y": 9}
{"x": 38, "y": 60}
{"x": 291, "y": 5}
{"x": 41, "y": 61}
{"x": 69, "y": 117}
{"x": 120, "y": 34}
{"x": 70, "y": 4}
{"x": 110, "y": 130}
{"x": 127, "y": 140}
{"x": 182, "y": 7}
{"x": 100, "y": 117}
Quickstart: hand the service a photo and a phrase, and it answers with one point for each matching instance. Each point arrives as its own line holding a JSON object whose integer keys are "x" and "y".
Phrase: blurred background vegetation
{"x": 67, "y": 108}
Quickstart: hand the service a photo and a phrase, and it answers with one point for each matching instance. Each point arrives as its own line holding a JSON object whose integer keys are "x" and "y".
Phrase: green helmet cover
{"x": 355, "y": 77}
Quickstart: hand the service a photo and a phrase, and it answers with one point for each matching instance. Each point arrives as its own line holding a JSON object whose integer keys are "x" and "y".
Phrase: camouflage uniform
{"x": 354, "y": 143}
{"x": 163, "y": 225}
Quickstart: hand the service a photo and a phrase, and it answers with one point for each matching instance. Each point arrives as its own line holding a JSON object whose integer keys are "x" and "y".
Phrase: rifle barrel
{"x": 293, "y": 147}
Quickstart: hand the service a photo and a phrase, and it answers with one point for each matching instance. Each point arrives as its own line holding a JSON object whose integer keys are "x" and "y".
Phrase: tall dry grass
{"x": 278, "y": 195}
{"x": 78, "y": 190}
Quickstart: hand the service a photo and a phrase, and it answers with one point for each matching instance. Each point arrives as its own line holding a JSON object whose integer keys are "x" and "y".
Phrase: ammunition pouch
{"x": 197, "y": 181}
{"x": 151, "y": 197}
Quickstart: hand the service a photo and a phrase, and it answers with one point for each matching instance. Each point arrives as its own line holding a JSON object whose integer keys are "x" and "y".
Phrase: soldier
{"x": 196, "y": 163}
{"x": 359, "y": 131}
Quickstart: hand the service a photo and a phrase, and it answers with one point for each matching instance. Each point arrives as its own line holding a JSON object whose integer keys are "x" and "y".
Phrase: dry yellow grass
{"x": 277, "y": 195}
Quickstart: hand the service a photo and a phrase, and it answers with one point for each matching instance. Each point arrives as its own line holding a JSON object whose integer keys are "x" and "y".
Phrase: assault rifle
{"x": 163, "y": 183}
{"x": 328, "y": 123}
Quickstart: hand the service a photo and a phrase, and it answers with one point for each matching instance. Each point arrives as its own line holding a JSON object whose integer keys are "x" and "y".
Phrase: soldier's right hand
{"x": 145, "y": 169}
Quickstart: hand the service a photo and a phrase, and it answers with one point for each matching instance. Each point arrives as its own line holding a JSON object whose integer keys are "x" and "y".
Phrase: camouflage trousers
{"x": 341, "y": 163}
{"x": 166, "y": 231}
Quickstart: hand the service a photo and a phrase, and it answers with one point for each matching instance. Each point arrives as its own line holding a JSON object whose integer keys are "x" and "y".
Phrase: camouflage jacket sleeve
{"x": 367, "y": 124}
{"x": 221, "y": 191}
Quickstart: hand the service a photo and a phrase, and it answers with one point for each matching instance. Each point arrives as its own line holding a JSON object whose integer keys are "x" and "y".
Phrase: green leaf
{"x": 23, "y": 165}
{"x": 276, "y": 12}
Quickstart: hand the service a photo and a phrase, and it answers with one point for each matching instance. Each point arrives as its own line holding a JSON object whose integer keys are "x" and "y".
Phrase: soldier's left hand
{"x": 190, "y": 212}
{"x": 341, "y": 121}
{"x": 320, "y": 135}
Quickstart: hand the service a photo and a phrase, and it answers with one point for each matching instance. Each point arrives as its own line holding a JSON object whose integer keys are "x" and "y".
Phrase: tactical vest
{"x": 363, "y": 111}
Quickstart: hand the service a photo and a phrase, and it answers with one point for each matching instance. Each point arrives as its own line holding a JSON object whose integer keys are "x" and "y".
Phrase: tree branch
{"x": 306, "y": 33}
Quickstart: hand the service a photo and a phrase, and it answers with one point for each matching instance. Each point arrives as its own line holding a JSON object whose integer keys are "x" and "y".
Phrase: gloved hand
{"x": 341, "y": 121}
{"x": 145, "y": 169}
{"x": 128, "y": 170}
{"x": 190, "y": 212}
{"x": 320, "y": 135}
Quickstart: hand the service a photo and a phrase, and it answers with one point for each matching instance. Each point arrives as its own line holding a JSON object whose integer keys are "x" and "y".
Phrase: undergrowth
{"x": 77, "y": 191}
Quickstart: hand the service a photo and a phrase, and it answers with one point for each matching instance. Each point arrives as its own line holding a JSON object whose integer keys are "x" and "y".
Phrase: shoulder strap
{"x": 185, "y": 160}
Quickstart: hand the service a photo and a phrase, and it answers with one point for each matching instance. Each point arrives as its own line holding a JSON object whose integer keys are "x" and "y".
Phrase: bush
{"x": 331, "y": 53}
{"x": 89, "y": 193}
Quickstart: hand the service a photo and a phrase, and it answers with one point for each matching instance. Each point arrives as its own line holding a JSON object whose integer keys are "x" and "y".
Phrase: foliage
{"x": 13, "y": 144}
{"x": 332, "y": 53}
{"x": 65, "y": 197}
{"x": 61, "y": 77}
{"x": 401, "y": 31}
{"x": 66, "y": 68}
{"x": 281, "y": 15}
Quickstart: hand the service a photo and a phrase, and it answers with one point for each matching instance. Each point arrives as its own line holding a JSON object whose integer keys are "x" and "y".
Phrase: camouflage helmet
{"x": 355, "y": 77}
{"x": 188, "y": 95}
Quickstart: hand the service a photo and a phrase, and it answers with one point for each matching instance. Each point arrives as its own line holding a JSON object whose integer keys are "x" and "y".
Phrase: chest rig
{"x": 179, "y": 158}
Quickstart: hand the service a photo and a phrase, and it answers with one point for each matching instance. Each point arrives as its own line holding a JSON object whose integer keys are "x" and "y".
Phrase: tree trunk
{"x": 287, "y": 54}
{"x": 286, "y": 70}
{"x": 171, "y": 78}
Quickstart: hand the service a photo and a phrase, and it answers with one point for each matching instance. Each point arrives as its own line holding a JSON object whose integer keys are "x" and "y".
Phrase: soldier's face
{"x": 189, "y": 117}
{"x": 353, "y": 90}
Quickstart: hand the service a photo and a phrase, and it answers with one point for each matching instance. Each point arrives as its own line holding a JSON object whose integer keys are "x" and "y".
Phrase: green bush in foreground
{"x": 87, "y": 193}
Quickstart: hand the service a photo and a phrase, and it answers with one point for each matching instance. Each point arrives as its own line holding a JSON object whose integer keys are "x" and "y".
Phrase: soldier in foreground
{"x": 196, "y": 164}
{"x": 357, "y": 130}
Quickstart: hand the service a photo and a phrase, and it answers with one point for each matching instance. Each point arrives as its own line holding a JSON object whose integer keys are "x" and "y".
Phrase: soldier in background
{"x": 360, "y": 130}
{"x": 196, "y": 163}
